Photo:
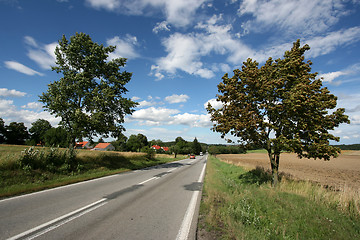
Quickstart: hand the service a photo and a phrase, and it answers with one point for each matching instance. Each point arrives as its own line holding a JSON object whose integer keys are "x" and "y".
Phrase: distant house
{"x": 81, "y": 145}
{"x": 157, "y": 147}
{"x": 104, "y": 147}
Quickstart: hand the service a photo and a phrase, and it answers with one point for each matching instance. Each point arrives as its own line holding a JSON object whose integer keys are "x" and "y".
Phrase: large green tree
{"x": 38, "y": 130}
{"x": 196, "y": 147}
{"x": 136, "y": 142}
{"x": 88, "y": 97}
{"x": 280, "y": 106}
{"x": 56, "y": 137}
{"x": 16, "y": 133}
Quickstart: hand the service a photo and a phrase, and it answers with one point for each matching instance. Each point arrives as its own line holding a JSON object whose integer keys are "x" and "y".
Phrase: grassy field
{"x": 241, "y": 204}
{"x": 18, "y": 178}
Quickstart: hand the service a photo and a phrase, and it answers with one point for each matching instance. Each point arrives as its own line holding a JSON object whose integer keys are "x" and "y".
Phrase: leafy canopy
{"x": 88, "y": 98}
{"x": 279, "y": 106}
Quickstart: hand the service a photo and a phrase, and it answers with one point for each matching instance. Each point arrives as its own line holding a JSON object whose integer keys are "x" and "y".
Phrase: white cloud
{"x": 325, "y": 44}
{"x": 145, "y": 103}
{"x": 10, "y": 113}
{"x": 214, "y": 103}
{"x": 185, "y": 51}
{"x": 110, "y": 5}
{"x": 293, "y": 16}
{"x": 33, "y": 105}
{"x": 21, "y": 68}
{"x": 42, "y": 54}
{"x": 192, "y": 120}
{"x": 153, "y": 116}
{"x": 163, "y": 116}
{"x": 161, "y": 26}
{"x": 331, "y": 76}
{"x": 4, "y": 92}
{"x": 135, "y": 98}
{"x": 177, "y": 98}
{"x": 178, "y": 13}
{"x": 125, "y": 47}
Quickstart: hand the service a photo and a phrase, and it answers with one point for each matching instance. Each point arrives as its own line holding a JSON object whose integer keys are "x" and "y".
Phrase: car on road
{"x": 192, "y": 156}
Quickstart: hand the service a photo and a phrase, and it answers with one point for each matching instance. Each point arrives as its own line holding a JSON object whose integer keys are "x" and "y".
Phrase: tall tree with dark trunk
{"x": 88, "y": 98}
{"x": 280, "y": 106}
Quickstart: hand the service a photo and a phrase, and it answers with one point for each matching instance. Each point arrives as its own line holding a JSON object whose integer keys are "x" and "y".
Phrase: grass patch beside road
{"x": 19, "y": 175}
{"x": 240, "y": 204}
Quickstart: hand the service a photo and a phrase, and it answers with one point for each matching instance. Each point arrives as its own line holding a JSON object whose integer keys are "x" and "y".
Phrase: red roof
{"x": 157, "y": 147}
{"x": 165, "y": 149}
{"x": 102, "y": 145}
{"x": 81, "y": 144}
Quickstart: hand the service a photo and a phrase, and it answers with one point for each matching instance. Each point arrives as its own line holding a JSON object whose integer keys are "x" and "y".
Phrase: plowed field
{"x": 338, "y": 173}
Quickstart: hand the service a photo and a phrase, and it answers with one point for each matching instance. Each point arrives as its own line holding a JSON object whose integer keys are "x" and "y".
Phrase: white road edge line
{"x": 186, "y": 223}
{"x": 153, "y": 178}
{"x": 63, "y": 219}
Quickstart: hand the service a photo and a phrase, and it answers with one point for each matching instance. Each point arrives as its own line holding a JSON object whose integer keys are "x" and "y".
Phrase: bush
{"x": 150, "y": 153}
{"x": 52, "y": 160}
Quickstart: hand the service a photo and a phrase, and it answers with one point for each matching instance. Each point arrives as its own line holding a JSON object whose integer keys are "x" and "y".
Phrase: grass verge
{"x": 17, "y": 179}
{"x": 240, "y": 204}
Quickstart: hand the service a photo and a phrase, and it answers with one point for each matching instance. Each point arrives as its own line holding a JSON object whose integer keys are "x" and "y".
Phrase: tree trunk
{"x": 274, "y": 157}
{"x": 274, "y": 161}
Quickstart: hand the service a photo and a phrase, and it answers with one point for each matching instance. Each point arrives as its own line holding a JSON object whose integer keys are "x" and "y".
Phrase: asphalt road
{"x": 154, "y": 203}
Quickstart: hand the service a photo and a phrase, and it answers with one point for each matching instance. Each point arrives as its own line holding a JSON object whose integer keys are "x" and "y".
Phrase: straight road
{"x": 154, "y": 203}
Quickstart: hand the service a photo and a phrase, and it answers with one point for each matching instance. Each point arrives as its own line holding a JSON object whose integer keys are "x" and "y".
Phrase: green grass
{"x": 16, "y": 179}
{"x": 241, "y": 204}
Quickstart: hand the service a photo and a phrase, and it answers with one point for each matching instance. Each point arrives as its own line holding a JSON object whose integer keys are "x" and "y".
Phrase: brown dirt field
{"x": 338, "y": 173}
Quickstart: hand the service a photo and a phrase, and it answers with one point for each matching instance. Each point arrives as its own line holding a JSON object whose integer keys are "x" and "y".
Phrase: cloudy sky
{"x": 178, "y": 50}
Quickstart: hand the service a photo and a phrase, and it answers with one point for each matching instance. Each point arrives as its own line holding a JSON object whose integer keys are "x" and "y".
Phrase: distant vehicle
{"x": 201, "y": 154}
{"x": 192, "y": 156}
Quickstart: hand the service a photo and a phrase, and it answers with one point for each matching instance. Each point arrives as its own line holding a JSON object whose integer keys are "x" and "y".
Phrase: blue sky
{"x": 178, "y": 50}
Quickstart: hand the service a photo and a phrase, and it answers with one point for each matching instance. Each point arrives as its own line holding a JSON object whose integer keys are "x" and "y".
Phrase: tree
{"x": 56, "y": 137}
{"x": 280, "y": 106}
{"x": 196, "y": 147}
{"x": 2, "y": 131}
{"x": 120, "y": 143}
{"x": 136, "y": 142}
{"x": 38, "y": 130}
{"x": 16, "y": 133}
{"x": 88, "y": 98}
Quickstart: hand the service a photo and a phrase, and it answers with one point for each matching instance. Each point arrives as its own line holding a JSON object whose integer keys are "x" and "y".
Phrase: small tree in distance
{"x": 280, "y": 106}
{"x": 88, "y": 98}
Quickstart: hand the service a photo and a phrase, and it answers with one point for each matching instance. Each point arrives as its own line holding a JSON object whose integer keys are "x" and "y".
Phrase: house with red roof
{"x": 157, "y": 147}
{"x": 82, "y": 145}
{"x": 104, "y": 147}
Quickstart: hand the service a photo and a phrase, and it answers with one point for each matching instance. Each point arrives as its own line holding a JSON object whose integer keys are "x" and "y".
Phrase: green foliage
{"x": 38, "y": 130}
{"x": 150, "y": 153}
{"x": 196, "y": 147}
{"x": 225, "y": 149}
{"x": 136, "y": 142}
{"x": 88, "y": 98}
{"x": 52, "y": 160}
{"x": 2, "y": 131}
{"x": 57, "y": 137}
{"x": 120, "y": 143}
{"x": 349, "y": 147}
{"x": 280, "y": 106}
{"x": 16, "y": 133}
